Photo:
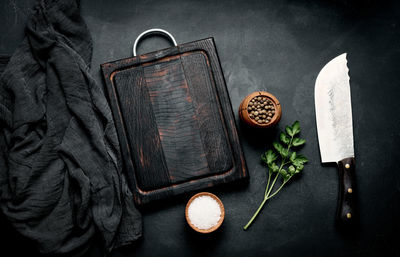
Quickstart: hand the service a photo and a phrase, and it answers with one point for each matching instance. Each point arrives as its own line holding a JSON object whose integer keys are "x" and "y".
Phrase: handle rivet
{"x": 350, "y": 190}
{"x": 348, "y": 215}
{"x": 347, "y": 166}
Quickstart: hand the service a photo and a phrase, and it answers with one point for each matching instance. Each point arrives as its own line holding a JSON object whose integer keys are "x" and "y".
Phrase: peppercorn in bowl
{"x": 260, "y": 109}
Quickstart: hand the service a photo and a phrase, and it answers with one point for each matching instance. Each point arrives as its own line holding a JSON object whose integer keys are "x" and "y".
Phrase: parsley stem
{"x": 269, "y": 179}
{"x": 255, "y": 214}
{"x": 277, "y": 191}
{"x": 263, "y": 202}
{"x": 273, "y": 183}
{"x": 280, "y": 168}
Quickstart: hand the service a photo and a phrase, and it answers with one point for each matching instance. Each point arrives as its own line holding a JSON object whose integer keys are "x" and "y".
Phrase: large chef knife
{"x": 335, "y": 130}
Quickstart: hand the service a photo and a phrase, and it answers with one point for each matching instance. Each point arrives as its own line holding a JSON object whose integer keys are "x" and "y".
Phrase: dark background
{"x": 279, "y": 46}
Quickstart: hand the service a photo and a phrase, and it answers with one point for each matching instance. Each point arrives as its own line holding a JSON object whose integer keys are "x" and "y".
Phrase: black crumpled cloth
{"x": 61, "y": 179}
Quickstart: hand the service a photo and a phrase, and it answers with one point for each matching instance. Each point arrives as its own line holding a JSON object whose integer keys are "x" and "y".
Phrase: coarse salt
{"x": 204, "y": 212}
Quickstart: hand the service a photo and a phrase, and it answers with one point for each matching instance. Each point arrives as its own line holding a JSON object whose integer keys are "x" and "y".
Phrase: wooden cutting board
{"x": 174, "y": 121}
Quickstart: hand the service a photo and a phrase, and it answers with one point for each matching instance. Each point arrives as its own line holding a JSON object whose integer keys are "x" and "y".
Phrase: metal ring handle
{"x": 152, "y": 31}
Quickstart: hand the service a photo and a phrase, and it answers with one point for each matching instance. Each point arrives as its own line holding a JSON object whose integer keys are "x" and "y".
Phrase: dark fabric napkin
{"x": 61, "y": 177}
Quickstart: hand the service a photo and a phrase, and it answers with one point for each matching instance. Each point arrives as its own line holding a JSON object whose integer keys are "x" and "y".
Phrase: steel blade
{"x": 333, "y": 111}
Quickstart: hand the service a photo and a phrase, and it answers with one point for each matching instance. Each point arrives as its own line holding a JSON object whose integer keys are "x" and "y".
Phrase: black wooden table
{"x": 279, "y": 46}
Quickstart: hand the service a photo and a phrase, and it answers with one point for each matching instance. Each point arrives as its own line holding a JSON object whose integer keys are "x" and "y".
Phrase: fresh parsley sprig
{"x": 289, "y": 159}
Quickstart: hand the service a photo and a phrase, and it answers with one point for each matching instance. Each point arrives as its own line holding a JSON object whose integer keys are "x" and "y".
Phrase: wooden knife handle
{"x": 347, "y": 208}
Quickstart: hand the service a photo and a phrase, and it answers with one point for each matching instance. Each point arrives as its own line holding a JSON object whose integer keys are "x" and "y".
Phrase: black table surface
{"x": 279, "y": 46}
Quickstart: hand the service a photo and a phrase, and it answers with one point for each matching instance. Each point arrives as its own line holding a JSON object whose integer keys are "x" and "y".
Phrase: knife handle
{"x": 347, "y": 209}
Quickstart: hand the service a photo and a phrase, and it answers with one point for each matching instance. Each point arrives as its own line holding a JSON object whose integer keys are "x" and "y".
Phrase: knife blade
{"x": 335, "y": 130}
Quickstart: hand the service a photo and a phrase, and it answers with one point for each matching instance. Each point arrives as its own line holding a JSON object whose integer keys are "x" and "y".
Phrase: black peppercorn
{"x": 261, "y": 109}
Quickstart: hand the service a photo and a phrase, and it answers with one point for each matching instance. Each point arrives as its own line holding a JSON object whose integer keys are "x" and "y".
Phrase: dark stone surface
{"x": 279, "y": 46}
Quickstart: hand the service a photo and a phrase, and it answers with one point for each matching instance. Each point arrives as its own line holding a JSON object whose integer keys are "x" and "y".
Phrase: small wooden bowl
{"x": 205, "y": 231}
{"x": 244, "y": 114}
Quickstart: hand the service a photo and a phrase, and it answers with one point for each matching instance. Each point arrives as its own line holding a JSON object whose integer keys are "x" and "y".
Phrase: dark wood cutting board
{"x": 174, "y": 121}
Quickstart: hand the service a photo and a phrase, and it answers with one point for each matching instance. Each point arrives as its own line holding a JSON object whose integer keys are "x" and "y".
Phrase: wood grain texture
{"x": 143, "y": 137}
{"x": 176, "y": 127}
{"x": 225, "y": 105}
{"x": 176, "y": 120}
{"x": 198, "y": 74}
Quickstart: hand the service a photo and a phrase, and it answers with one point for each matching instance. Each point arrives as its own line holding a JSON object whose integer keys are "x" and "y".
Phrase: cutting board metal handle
{"x": 150, "y": 32}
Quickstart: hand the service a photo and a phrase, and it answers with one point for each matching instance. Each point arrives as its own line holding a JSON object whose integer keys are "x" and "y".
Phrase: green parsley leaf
{"x": 289, "y": 131}
{"x": 293, "y": 156}
{"x": 296, "y": 128}
{"x": 299, "y": 167}
{"x": 284, "y": 138}
{"x": 285, "y": 153}
{"x": 268, "y": 157}
{"x": 273, "y": 167}
{"x": 298, "y": 141}
{"x": 300, "y": 159}
{"x": 292, "y": 169}
{"x": 283, "y": 172}
{"x": 278, "y": 147}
